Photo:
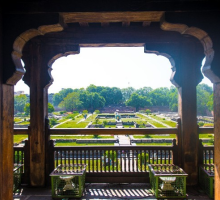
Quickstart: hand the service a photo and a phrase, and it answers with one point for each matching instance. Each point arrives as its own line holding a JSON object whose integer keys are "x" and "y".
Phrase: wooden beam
{"x": 189, "y": 67}
{"x": 217, "y": 139}
{"x": 38, "y": 114}
{"x": 96, "y": 17}
{"x": 125, "y": 24}
{"x": 111, "y": 35}
{"x": 21, "y": 131}
{"x": 105, "y": 24}
{"x": 146, "y": 23}
{"x": 84, "y": 24}
{"x": 6, "y": 142}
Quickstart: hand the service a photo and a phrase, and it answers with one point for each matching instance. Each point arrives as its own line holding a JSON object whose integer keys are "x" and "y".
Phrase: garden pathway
{"x": 157, "y": 121}
{"x": 61, "y": 123}
{"x": 123, "y": 140}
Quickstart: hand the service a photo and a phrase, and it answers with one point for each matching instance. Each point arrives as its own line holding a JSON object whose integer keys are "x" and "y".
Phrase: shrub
{"x": 200, "y": 123}
{"x": 148, "y": 111}
{"x": 105, "y": 123}
{"x": 70, "y": 116}
{"x": 53, "y": 121}
{"x": 97, "y": 111}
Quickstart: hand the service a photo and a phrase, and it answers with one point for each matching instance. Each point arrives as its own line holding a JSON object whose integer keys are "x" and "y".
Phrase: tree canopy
{"x": 96, "y": 97}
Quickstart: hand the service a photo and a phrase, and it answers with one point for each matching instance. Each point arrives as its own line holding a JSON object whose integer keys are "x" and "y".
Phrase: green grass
{"x": 208, "y": 125}
{"x": 19, "y": 138}
{"x": 165, "y": 121}
{"x": 81, "y": 137}
{"x": 18, "y": 119}
{"x": 62, "y": 120}
{"x": 112, "y": 126}
{"x": 128, "y": 126}
{"x": 206, "y": 135}
{"x": 24, "y": 123}
{"x": 63, "y": 143}
{"x": 151, "y": 121}
{"x": 73, "y": 123}
{"x": 153, "y": 144}
{"x": 155, "y": 136}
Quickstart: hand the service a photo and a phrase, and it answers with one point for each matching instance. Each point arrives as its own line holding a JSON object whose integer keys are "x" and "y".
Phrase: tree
{"x": 148, "y": 111}
{"x": 144, "y": 91}
{"x": 173, "y": 99}
{"x": 19, "y": 102}
{"x": 159, "y": 96}
{"x": 91, "y": 88}
{"x": 71, "y": 102}
{"x": 27, "y": 108}
{"x": 210, "y": 103}
{"x": 127, "y": 92}
{"x": 65, "y": 91}
{"x": 97, "y": 101}
{"x": 112, "y": 95}
{"x": 203, "y": 93}
{"x": 50, "y": 108}
{"x": 137, "y": 101}
{"x": 57, "y": 98}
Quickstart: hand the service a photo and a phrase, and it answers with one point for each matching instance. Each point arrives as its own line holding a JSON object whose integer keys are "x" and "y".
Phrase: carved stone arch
{"x": 19, "y": 44}
{"x": 205, "y": 40}
{"x": 74, "y": 50}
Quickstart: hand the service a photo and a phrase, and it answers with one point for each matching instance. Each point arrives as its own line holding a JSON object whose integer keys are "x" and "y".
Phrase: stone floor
{"x": 107, "y": 191}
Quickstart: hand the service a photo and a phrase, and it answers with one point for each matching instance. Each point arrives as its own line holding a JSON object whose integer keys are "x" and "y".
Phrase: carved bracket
{"x": 205, "y": 40}
{"x": 19, "y": 44}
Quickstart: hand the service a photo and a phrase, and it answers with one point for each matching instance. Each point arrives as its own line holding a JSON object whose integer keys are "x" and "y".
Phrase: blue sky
{"x": 110, "y": 66}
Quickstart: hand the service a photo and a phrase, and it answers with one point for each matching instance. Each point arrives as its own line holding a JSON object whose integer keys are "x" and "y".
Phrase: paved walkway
{"x": 123, "y": 140}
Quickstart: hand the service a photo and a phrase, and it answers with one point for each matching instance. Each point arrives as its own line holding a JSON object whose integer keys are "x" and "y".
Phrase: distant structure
{"x": 117, "y": 116}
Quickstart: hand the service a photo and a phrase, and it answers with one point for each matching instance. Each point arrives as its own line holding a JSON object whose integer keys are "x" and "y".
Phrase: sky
{"x": 109, "y": 66}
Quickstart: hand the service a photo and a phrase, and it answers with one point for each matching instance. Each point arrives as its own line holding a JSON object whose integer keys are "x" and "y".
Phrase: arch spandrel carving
{"x": 183, "y": 29}
{"x": 172, "y": 63}
{"x": 49, "y": 54}
{"x": 205, "y": 40}
{"x": 19, "y": 44}
{"x": 56, "y": 55}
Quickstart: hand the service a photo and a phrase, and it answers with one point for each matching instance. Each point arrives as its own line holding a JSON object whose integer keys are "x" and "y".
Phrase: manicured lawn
{"x": 24, "y": 123}
{"x": 19, "y": 138}
{"x": 82, "y": 144}
{"x": 73, "y": 123}
{"x": 207, "y": 135}
{"x": 153, "y": 144}
{"x": 128, "y": 126}
{"x": 62, "y": 120}
{"x": 155, "y": 136}
{"x": 18, "y": 119}
{"x": 151, "y": 121}
{"x": 165, "y": 121}
{"x": 81, "y": 137}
